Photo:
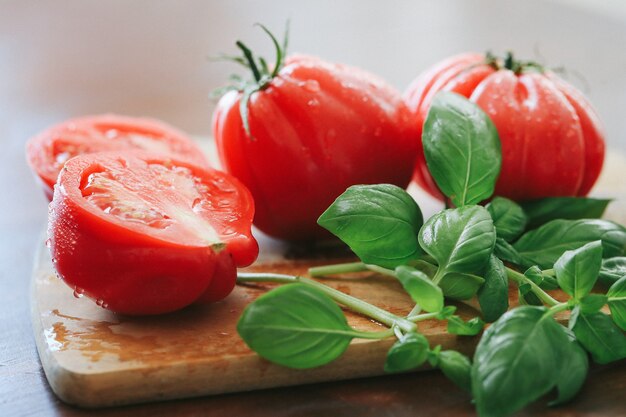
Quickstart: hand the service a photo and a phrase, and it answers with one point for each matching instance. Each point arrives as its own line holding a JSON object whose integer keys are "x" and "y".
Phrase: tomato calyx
{"x": 262, "y": 75}
{"x": 510, "y": 63}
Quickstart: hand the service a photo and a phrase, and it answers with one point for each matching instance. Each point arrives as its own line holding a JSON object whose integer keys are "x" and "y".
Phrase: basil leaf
{"x": 507, "y": 252}
{"x": 544, "y": 210}
{"x": 527, "y": 297}
{"x": 508, "y": 217}
{"x": 461, "y": 240}
{"x": 446, "y": 313}
{"x": 537, "y": 276}
{"x": 598, "y": 335}
{"x": 295, "y": 326}
{"x": 421, "y": 289}
{"x": 378, "y": 222}
{"x": 408, "y": 353}
{"x": 516, "y": 361}
{"x": 617, "y": 302}
{"x": 592, "y": 303}
{"x": 460, "y": 286}
{"x": 462, "y": 149}
{"x": 577, "y": 270}
{"x": 545, "y": 245}
{"x": 472, "y": 327}
{"x": 456, "y": 367}
{"x": 573, "y": 370}
{"x": 493, "y": 296}
{"x": 612, "y": 269}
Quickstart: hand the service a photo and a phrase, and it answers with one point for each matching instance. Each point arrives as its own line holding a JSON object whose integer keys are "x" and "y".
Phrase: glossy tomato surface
{"x": 50, "y": 149}
{"x": 552, "y": 139}
{"x": 316, "y": 129}
{"x": 144, "y": 234}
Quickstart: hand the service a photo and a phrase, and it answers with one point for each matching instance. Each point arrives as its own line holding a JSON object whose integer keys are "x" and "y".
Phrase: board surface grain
{"x": 95, "y": 358}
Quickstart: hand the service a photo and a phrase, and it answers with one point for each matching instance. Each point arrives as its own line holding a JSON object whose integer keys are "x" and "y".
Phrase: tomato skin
{"x": 129, "y": 270}
{"x": 316, "y": 129}
{"x": 108, "y": 132}
{"x": 552, "y": 140}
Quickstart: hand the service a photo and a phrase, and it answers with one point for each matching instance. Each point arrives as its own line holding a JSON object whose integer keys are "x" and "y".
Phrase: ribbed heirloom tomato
{"x": 48, "y": 151}
{"x": 298, "y": 136}
{"x": 552, "y": 140}
{"x": 144, "y": 234}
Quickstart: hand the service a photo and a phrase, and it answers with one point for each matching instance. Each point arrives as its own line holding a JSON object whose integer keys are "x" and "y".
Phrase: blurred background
{"x": 65, "y": 58}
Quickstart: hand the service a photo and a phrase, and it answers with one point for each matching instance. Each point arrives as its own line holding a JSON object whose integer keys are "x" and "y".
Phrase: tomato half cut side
{"x": 144, "y": 234}
{"x": 49, "y": 150}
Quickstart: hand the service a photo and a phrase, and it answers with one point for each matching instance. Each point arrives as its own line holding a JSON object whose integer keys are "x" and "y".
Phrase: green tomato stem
{"x": 322, "y": 271}
{"x": 522, "y": 279}
{"x": 352, "y": 303}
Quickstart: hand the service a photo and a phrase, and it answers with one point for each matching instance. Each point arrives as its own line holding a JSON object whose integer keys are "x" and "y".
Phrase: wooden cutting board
{"x": 95, "y": 358}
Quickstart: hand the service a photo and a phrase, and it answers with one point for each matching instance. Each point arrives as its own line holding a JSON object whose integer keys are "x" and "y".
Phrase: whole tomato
{"x": 145, "y": 234}
{"x": 298, "y": 136}
{"x": 552, "y": 139}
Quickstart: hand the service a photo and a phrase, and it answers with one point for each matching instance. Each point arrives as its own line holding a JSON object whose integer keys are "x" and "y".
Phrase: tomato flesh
{"x": 142, "y": 234}
{"x": 48, "y": 151}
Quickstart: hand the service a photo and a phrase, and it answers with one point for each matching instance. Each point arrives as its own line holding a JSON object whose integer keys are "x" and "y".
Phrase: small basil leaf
{"x": 472, "y": 327}
{"x": 534, "y": 274}
{"x": 599, "y": 336}
{"x": 573, "y": 370}
{"x": 542, "y": 211}
{"x": 577, "y": 270}
{"x": 508, "y": 217}
{"x": 459, "y": 286}
{"x": 456, "y": 367}
{"x": 446, "y": 312}
{"x": 617, "y": 302}
{"x": 612, "y": 269}
{"x": 549, "y": 283}
{"x": 505, "y": 251}
{"x": 295, "y": 326}
{"x": 378, "y": 222}
{"x": 516, "y": 361}
{"x": 462, "y": 149}
{"x": 545, "y": 245}
{"x": 408, "y": 353}
{"x": 421, "y": 289}
{"x": 592, "y": 303}
{"x": 493, "y": 296}
{"x": 460, "y": 240}
{"x": 527, "y": 297}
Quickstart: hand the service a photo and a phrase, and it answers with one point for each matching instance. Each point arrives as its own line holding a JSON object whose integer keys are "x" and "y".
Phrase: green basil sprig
{"x": 462, "y": 149}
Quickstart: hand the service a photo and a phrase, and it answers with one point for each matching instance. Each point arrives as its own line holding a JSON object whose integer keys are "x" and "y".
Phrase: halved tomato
{"x": 50, "y": 149}
{"x": 144, "y": 234}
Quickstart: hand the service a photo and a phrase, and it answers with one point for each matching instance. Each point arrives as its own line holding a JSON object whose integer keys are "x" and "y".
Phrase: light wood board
{"x": 94, "y": 358}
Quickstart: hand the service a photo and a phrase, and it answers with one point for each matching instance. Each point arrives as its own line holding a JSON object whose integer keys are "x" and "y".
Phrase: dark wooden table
{"x": 24, "y": 390}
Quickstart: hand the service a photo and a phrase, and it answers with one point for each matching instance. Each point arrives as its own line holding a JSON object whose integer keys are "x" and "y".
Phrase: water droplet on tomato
{"x": 47, "y": 243}
{"x": 311, "y": 86}
{"x": 112, "y": 133}
{"x": 78, "y": 292}
{"x": 313, "y": 103}
{"x": 100, "y": 302}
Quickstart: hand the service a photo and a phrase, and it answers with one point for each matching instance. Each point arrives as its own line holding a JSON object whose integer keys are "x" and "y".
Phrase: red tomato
{"x": 315, "y": 129}
{"x": 48, "y": 151}
{"x": 144, "y": 234}
{"x": 552, "y": 140}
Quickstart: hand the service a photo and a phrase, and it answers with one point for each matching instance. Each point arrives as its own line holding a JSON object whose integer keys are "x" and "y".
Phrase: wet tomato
{"x": 50, "y": 149}
{"x": 144, "y": 234}
{"x": 552, "y": 139}
{"x": 300, "y": 135}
